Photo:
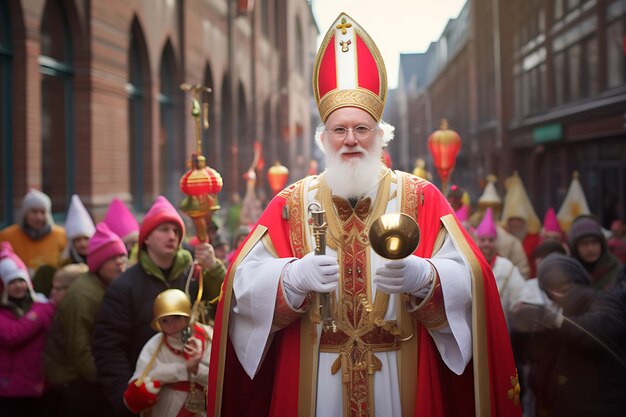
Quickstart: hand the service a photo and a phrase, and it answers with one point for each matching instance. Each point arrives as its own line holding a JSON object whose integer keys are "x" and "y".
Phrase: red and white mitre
{"x": 349, "y": 71}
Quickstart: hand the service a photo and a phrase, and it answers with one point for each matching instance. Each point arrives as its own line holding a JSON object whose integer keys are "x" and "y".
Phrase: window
{"x": 298, "y": 53}
{"x": 57, "y": 135}
{"x": 166, "y": 123}
{"x": 615, "y": 54}
{"x": 590, "y": 67}
{"x": 558, "y": 9}
{"x": 559, "y": 78}
{"x": 5, "y": 117}
{"x": 137, "y": 102}
{"x": 574, "y": 66}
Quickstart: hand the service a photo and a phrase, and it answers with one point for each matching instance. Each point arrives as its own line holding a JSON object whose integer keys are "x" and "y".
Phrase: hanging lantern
{"x": 200, "y": 183}
{"x": 277, "y": 177}
{"x": 444, "y": 144}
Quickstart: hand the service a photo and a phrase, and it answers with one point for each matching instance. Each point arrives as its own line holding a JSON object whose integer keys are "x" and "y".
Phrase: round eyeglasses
{"x": 360, "y": 132}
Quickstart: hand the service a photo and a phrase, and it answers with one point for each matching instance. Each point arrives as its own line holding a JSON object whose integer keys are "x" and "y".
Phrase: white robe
{"x": 255, "y": 286}
{"x": 169, "y": 368}
{"x": 511, "y": 285}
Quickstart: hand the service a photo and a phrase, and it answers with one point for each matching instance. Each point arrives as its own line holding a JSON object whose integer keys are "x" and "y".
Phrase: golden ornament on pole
{"x": 200, "y": 183}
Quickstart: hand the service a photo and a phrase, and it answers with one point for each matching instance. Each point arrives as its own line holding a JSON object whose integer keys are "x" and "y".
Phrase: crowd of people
{"x": 494, "y": 313}
{"x": 563, "y": 295}
{"x": 77, "y": 302}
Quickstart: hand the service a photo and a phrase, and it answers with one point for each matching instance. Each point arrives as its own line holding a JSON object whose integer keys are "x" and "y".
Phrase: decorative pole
{"x": 444, "y": 144}
{"x": 201, "y": 183}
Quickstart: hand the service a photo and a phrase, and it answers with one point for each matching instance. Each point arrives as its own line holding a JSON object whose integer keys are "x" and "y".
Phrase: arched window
{"x": 265, "y": 17}
{"x": 209, "y": 138}
{"x": 298, "y": 53}
{"x": 244, "y": 144}
{"x": 138, "y": 92}
{"x": 167, "y": 166}
{"x": 227, "y": 138}
{"x": 5, "y": 116}
{"x": 57, "y": 121}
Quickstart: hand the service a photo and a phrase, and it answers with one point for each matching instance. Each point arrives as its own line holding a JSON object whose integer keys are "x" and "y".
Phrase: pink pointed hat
{"x": 120, "y": 220}
{"x": 487, "y": 227}
{"x": 463, "y": 213}
{"x": 550, "y": 222}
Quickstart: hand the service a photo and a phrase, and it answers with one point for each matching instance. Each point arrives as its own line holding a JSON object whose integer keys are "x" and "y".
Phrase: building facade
{"x": 533, "y": 86}
{"x": 90, "y": 100}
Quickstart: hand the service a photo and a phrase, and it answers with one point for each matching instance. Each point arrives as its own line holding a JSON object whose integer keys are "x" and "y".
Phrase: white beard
{"x": 356, "y": 177}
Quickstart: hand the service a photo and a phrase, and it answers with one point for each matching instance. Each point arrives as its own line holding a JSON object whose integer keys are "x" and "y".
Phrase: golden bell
{"x": 394, "y": 235}
{"x": 170, "y": 303}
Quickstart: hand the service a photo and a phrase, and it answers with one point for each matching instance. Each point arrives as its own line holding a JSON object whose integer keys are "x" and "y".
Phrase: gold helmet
{"x": 170, "y": 303}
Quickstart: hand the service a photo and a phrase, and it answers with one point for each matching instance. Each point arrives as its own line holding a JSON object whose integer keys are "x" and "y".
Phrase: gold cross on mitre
{"x": 344, "y": 25}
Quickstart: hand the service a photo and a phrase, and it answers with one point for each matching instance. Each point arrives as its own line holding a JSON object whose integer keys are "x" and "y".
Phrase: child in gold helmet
{"x": 173, "y": 366}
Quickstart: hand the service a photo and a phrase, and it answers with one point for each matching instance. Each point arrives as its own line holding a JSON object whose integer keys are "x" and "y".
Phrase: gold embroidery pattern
{"x": 432, "y": 313}
{"x": 284, "y": 313}
{"x": 513, "y": 393}
{"x": 297, "y": 215}
{"x": 359, "y": 97}
{"x": 412, "y": 194}
{"x": 362, "y": 330}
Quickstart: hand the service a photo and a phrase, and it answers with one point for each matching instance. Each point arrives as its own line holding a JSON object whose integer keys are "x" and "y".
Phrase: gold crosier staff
{"x": 319, "y": 226}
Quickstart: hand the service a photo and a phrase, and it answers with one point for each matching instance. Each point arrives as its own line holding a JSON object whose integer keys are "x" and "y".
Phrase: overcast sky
{"x": 395, "y": 25}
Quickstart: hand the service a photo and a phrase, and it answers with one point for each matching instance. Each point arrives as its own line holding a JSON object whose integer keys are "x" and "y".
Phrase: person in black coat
{"x": 123, "y": 321}
{"x": 576, "y": 359}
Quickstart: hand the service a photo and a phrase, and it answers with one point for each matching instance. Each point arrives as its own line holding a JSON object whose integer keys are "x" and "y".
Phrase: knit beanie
{"x": 120, "y": 220}
{"x": 487, "y": 227}
{"x": 102, "y": 246}
{"x": 585, "y": 226}
{"x": 12, "y": 268}
{"x": 36, "y": 199}
{"x": 78, "y": 222}
{"x": 162, "y": 211}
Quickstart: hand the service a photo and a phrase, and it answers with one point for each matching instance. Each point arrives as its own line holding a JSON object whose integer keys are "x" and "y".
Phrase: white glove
{"x": 407, "y": 275}
{"x": 318, "y": 273}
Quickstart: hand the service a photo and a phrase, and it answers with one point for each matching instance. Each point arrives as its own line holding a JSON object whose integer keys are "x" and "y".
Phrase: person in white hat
{"x": 25, "y": 318}
{"x": 79, "y": 228}
{"x": 35, "y": 238}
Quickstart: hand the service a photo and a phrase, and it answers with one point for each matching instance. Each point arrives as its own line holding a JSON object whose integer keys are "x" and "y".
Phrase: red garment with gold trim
{"x": 439, "y": 392}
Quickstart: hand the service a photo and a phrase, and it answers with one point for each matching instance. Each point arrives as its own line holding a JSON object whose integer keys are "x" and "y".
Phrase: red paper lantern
{"x": 444, "y": 144}
{"x": 277, "y": 177}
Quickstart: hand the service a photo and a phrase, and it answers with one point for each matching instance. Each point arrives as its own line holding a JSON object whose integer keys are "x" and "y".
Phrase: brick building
{"x": 534, "y": 86}
{"x": 90, "y": 100}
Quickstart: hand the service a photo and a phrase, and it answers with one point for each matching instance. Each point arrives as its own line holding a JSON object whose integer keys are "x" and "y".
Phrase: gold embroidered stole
{"x": 362, "y": 330}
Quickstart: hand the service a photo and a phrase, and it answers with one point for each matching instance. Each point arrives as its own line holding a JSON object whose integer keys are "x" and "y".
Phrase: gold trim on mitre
{"x": 358, "y": 96}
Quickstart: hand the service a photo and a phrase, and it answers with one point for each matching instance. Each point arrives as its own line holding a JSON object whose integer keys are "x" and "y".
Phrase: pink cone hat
{"x": 463, "y": 213}
{"x": 550, "y": 222}
{"x": 487, "y": 227}
{"x": 120, "y": 220}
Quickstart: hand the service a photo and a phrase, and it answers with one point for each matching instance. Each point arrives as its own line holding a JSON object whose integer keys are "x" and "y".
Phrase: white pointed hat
{"x": 490, "y": 197}
{"x": 574, "y": 205}
{"x": 518, "y": 205}
{"x": 78, "y": 222}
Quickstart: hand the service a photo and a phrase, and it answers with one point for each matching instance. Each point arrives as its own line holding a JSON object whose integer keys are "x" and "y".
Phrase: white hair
{"x": 387, "y": 130}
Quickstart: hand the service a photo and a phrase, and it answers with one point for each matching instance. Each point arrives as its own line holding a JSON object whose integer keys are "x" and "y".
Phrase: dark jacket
{"x": 123, "y": 322}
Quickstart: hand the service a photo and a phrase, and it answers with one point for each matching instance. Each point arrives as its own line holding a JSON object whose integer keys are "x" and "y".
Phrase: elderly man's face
{"x": 35, "y": 218}
{"x": 350, "y": 132}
